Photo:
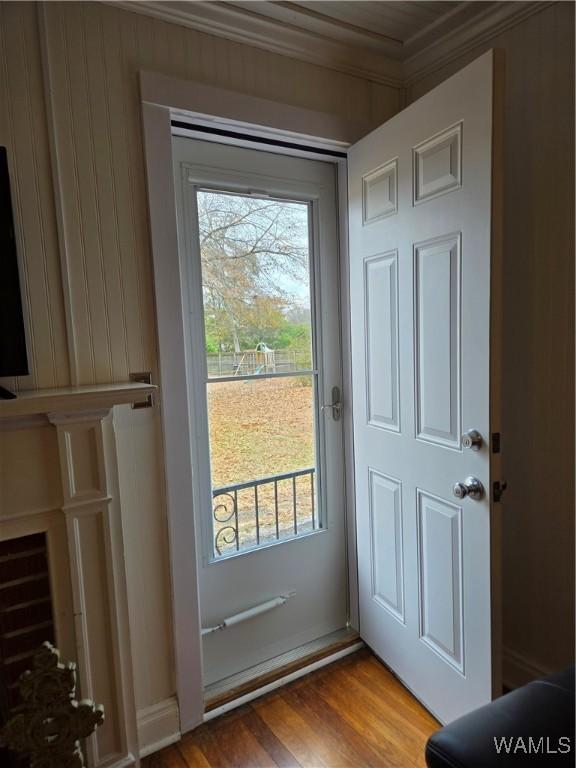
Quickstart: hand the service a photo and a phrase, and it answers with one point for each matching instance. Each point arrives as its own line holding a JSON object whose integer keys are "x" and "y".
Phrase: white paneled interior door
{"x": 420, "y": 190}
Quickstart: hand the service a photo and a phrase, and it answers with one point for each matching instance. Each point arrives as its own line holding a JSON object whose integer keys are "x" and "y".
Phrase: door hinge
{"x": 143, "y": 377}
{"x": 495, "y": 442}
{"x": 498, "y": 488}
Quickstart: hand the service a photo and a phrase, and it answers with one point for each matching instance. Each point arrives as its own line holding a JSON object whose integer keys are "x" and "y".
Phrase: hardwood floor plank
{"x": 324, "y": 718}
{"x": 268, "y": 739}
{"x": 192, "y": 755}
{"x": 367, "y": 723}
{"x": 395, "y": 690}
{"x": 166, "y": 758}
{"x": 408, "y": 733}
{"x": 241, "y": 747}
{"x": 210, "y": 748}
{"x": 351, "y": 714}
{"x": 293, "y": 732}
{"x": 408, "y": 730}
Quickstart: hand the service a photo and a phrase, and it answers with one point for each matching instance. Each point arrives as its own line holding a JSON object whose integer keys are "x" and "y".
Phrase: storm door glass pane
{"x": 256, "y": 284}
{"x": 261, "y": 386}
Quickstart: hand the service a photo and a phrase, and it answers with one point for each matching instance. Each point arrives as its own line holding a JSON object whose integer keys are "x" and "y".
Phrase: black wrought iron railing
{"x": 258, "y": 512}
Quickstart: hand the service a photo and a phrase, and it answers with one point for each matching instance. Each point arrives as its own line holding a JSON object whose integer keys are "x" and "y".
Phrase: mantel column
{"x": 89, "y": 471}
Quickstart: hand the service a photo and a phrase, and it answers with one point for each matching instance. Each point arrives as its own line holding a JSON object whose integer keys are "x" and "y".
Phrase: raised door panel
{"x": 380, "y": 192}
{"x": 381, "y": 334}
{"x": 440, "y": 577}
{"x": 438, "y": 164}
{"x": 437, "y": 342}
{"x": 387, "y": 543}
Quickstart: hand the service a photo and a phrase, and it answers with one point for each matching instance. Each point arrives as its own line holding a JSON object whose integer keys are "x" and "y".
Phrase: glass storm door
{"x": 260, "y": 234}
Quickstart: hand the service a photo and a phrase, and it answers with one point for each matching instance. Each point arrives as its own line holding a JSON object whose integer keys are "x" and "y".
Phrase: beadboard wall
{"x": 23, "y": 130}
{"x": 538, "y": 370}
{"x": 94, "y": 322}
{"x": 94, "y": 52}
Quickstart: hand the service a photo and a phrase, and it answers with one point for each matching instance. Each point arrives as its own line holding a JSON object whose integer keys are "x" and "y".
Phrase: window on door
{"x": 262, "y": 381}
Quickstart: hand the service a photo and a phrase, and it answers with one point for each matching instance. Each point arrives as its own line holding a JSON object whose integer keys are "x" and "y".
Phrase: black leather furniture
{"x": 536, "y": 722}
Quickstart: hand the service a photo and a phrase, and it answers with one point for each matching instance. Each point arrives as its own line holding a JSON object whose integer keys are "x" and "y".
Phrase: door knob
{"x": 470, "y": 487}
{"x": 472, "y": 439}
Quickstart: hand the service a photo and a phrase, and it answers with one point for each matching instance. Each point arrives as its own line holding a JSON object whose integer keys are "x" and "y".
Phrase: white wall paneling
{"x": 147, "y": 567}
{"x": 158, "y": 726}
{"x": 231, "y": 22}
{"x": 95, "y": 541}
{"x": 23, "y": 132}
{"x": 92, "y": 55}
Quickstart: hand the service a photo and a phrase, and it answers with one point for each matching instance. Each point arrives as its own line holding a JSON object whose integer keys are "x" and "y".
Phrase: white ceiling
{"x": 399, "y": 20}
{"x": 363, "y": 22}
{"x": 388, "y": 42}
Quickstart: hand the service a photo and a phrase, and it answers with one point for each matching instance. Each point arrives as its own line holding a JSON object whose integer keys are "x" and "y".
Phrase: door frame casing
{"x": 163, "y": 99}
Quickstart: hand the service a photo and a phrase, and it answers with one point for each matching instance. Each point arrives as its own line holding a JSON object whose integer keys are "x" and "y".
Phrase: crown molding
{"x": 242, "y": 26}
{"x": 489, "y": 23}
{"x": 399, "y": 65}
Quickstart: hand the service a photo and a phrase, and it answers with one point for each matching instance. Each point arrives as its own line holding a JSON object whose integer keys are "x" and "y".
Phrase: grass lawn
{"x": 257, "y": 429}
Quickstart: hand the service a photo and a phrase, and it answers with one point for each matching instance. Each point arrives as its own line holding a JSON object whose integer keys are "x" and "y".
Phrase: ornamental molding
{"x": 391, "y": 63}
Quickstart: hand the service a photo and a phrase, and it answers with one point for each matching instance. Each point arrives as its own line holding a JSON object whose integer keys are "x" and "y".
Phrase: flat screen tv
{"x": 13, "y": 357}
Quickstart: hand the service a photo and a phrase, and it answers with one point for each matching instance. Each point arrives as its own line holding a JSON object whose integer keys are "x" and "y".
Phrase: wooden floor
{"x": 352, "y": 713}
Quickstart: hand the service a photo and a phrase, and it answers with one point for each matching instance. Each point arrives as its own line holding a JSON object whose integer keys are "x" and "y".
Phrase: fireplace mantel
{"x": 70, "y": 399}
{"x": 84, "y": 529}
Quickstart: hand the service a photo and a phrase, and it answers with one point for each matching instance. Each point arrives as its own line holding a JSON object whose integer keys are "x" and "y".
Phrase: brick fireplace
{"x": 26, "y": 619}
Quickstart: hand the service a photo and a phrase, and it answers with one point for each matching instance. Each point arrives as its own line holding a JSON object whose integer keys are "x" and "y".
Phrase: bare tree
{"x": 254, "y": 259}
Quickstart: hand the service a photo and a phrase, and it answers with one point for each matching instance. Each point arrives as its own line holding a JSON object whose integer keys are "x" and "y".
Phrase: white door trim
{"x": 238, "y": 110}
{"x": 163, "y": 99}
{"x": 175, "y": 415}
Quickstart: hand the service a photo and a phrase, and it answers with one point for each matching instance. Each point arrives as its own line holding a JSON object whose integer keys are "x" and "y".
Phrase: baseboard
{"x": 519, "y": 669}
{"x": 158, "y": 726}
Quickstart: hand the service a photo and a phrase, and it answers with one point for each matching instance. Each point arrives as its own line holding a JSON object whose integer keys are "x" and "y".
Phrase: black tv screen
{"x": 13, "y": 358}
